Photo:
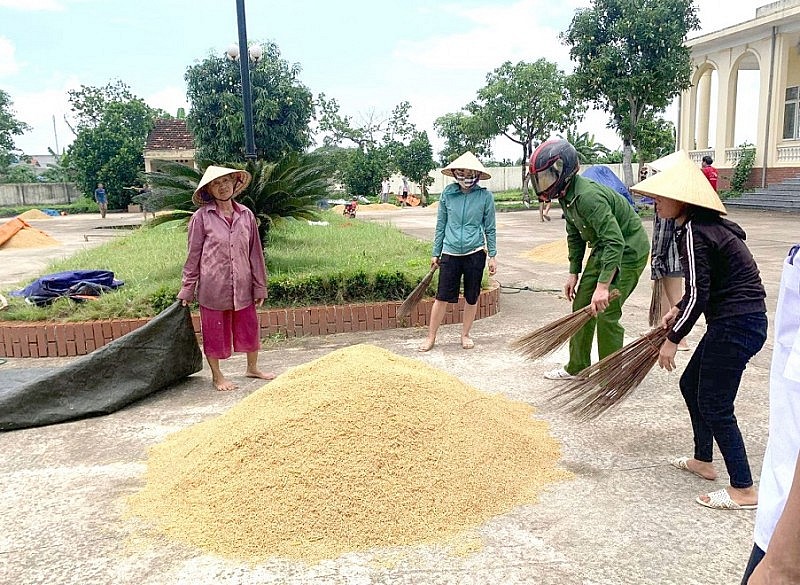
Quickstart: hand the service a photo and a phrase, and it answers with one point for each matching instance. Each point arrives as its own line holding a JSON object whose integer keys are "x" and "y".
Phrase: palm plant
{"x": 589, "y": 150}
{"x": 291, "y": 187}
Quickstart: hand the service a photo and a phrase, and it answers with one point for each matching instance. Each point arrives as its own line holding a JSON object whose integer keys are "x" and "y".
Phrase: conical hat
{"x": 663, "y": 163}
{"x": 201, "y": 198}
{"x": 467, "y": 161}
{"x": 682, "y": 181}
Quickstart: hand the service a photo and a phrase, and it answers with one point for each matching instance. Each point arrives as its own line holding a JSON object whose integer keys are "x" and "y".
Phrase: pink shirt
{"x": 225, "y": 266}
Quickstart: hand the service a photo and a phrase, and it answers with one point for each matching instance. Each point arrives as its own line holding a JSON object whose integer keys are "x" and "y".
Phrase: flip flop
{"x": 721, "y": 500}
{"x": 467, "y": 343}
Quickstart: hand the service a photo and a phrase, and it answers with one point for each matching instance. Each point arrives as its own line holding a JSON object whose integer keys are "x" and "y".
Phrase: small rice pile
{"x": 358, "y": 449}
{"x": 33, "y": 214}
{"x": 30, "y": 238}
{"x": 555, "y": 252}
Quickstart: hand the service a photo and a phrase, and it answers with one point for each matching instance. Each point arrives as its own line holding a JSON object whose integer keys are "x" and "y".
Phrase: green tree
{"x": 462, "y": 132}
{"x": 526, "y": 103}
{"x": 655, "y": 137}
{"x": 9, "y": 127}
{"x": 415, "y": 161}
{"x": 112, "y": 151}
{"x": 363, "y": 172}
{"x": 20, "y": 174}
{"x": 378, "y": 141}
{"x": 589, "y": 150}
{"x": 89, "y": 103}
{"x": 630, "y": 59}
{"x": 282, "y": 107}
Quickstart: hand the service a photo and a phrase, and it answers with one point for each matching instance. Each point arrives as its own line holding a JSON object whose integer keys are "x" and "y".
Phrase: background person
{"x": 102, "y": 199}
{"x": 465, "y": 232}
{"x": 709, "y": 171}
{"x": 225, "y": 270}
{"x": 599, "y": 217}
{"x": 723, "y": 283}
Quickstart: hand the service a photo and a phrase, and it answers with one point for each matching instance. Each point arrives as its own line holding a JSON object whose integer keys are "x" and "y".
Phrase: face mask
{"x": 465, "y": 178}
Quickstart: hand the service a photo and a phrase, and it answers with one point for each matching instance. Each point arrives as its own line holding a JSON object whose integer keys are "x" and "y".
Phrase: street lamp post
{"x": 247, "y": 98}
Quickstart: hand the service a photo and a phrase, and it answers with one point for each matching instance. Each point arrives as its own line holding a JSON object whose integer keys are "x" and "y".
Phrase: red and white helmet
{"x": 552, "y": 166}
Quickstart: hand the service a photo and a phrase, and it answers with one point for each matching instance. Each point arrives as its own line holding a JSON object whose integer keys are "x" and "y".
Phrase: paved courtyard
{"x": 627, "y": 517}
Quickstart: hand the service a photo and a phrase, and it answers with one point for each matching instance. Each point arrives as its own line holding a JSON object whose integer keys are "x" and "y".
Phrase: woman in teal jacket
{"x": 465, "y": 235}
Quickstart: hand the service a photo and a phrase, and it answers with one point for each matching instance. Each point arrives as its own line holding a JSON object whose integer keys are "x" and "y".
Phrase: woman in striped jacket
{"x": 722, "y": 282}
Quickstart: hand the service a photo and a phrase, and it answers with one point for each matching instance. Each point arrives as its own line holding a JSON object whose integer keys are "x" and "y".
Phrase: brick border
{"x": 44, "y": 339}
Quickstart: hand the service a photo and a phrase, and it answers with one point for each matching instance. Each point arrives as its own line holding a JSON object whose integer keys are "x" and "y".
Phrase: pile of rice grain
{"x": 359, "y": 449}
{"x": 30, "y": 238}
{"x": 33, "y": 214}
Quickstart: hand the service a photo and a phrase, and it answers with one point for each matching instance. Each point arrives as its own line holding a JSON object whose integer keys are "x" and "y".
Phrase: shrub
{"x": 741, "y": 173}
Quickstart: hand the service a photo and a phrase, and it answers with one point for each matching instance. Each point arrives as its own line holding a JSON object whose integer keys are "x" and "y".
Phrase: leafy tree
{"x": 589, "y": 150}
{"x": 9, "y": 127}
{"x": 378, "y": 143}
{"x": 20, "y": 174}
{"x": 630, "y": 58}
{"x": 89, "y": 103}
{"x": 112, "y": 151}
{"x": 612, "y": 158}
{"x": 462, "y": 132}
{"x": 655, "y": 137}
{"x": 363, "y": 172}
{"x": 741, "y": 173}
{"x": 526, "y": 103}
{"x": 415, "y": 161}
{"x": 282, "y": 107}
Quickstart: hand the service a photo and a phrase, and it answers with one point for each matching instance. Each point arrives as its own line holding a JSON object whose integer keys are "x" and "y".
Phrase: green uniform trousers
{"x": 610, "y": 333}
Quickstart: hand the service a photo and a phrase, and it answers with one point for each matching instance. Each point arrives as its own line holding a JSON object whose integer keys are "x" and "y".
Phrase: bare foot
{"x": 426, "y": 345}
{"x": 260, "y": 374}
{"x": 223, "y": 384}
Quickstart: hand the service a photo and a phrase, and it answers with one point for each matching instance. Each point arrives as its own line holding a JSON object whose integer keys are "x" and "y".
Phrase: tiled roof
{"x": 170, "y": 134}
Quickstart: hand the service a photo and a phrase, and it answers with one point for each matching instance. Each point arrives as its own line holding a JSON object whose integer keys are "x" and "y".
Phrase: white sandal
{"x": 558, "y": 374}
{"x": 721, "y": 500}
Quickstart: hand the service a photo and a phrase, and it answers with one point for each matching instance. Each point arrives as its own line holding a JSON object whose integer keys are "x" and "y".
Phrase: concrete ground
{"x": 627, "y": 517}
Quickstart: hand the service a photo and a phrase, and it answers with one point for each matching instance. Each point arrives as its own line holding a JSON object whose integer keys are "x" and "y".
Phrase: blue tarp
{"x": 605, "y": 176}
{"x": 75, "y": 284}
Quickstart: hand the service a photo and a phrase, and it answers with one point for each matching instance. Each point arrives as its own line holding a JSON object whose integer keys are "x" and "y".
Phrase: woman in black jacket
{"x": 722, "y": 282}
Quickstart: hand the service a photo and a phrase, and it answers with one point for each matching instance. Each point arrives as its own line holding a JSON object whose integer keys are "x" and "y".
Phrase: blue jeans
{"x": 709, "y": 386}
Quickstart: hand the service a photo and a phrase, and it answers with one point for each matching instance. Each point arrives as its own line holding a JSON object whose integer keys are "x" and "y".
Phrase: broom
{"x": 608, "y": 382}
{"x": 654, "y": 318}
{"x": 550, "y": 337}
{"x": 416, "y": 295}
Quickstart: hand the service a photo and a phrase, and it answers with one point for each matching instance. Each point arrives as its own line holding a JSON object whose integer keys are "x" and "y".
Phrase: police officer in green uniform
{"x": 601, "y": 218}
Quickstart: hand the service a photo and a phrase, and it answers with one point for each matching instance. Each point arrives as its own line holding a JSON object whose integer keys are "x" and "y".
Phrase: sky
{"x": 366, "y": 54}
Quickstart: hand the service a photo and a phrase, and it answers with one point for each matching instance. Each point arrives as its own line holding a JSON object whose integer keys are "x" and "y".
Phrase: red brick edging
{"x": 44, "y": 339}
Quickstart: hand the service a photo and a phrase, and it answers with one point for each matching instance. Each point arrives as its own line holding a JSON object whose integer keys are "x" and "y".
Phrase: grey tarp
{"x": 138, "y": 364}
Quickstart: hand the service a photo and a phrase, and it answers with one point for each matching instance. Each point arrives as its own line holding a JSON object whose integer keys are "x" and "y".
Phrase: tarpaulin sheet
{"x": 73, "y": 284}
{"x": 605, "y": 176}
{"x": 141, "y": 363}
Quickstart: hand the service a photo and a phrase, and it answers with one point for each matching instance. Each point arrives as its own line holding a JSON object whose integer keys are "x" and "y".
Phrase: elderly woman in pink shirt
{"x": 225, "y": 271}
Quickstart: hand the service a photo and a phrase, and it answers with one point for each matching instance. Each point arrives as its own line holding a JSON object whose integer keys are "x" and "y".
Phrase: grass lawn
{"x": 347, "y": 260}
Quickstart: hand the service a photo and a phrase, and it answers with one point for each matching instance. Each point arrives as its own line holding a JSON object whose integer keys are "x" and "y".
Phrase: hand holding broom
{"x": 416, "y": 295}
{"x": 550, "y": 337}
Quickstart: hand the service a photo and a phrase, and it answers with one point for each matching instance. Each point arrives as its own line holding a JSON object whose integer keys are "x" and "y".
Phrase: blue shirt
{"x": 100, "y": 195}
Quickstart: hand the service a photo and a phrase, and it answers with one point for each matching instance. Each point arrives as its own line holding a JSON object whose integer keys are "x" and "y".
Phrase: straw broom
{"x": 654, "y": 318}
{"x": 550, "y": 337}
{"x": 416, "y": 295}
{"x": 608, "y": 382}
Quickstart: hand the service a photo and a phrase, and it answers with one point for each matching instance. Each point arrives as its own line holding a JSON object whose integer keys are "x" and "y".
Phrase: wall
{"x": 42, "y": 194}
{"x": 503, "y": 179}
